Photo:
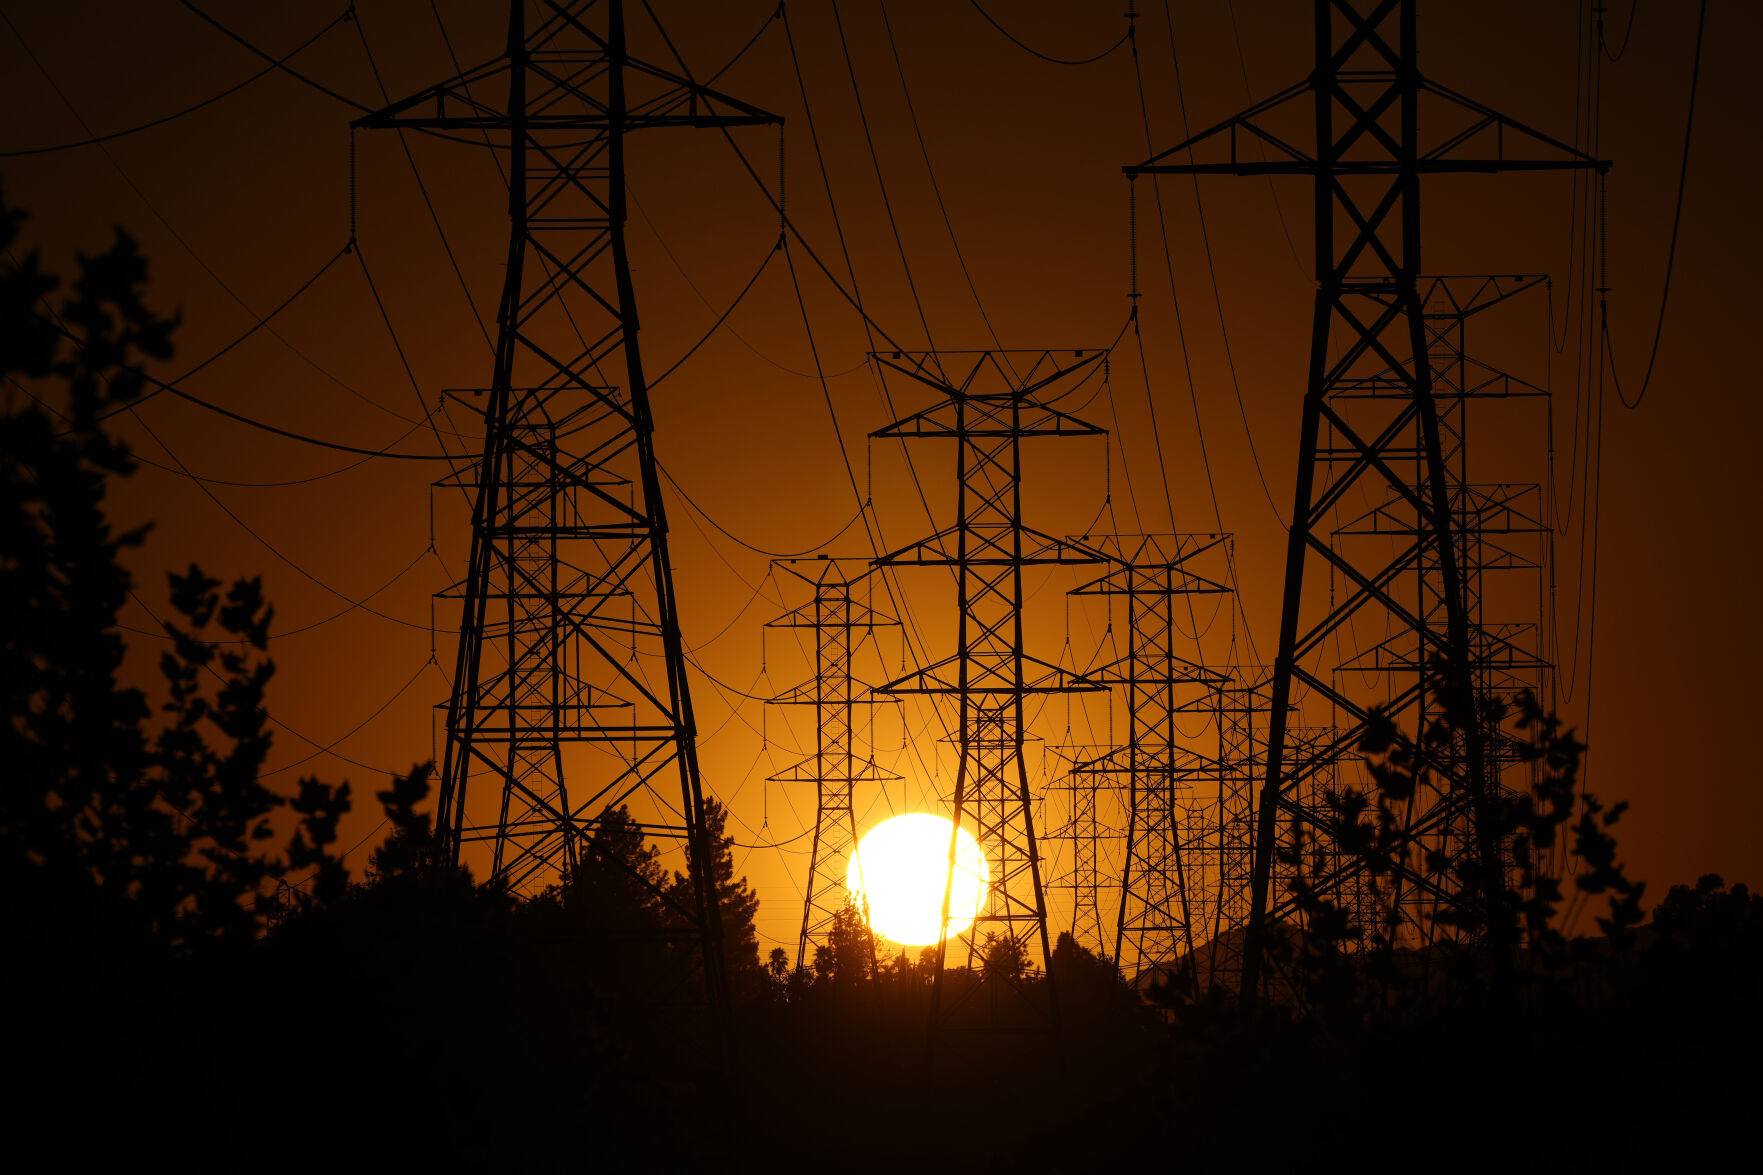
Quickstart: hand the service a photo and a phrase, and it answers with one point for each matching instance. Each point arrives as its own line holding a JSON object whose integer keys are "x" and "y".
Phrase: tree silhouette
{"x": 777, "y": 970}
{"x": 1003, "y": 956}
{"x": 620, "y": 885}
{"x": 149, "y": 834}
{"x": 1708, "y": 914}
{"x": 141, "y": 852}
{"x": 851, "y": 945}
{"x": 737, "y": 903}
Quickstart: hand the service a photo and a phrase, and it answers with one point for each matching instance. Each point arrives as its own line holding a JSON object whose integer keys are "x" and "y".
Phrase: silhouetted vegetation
{"x": 197, "y": 976}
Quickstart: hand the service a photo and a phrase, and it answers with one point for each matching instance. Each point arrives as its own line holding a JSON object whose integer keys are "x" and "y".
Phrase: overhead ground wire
{"x": 259, "y": 322}
{"x": 272, "y": 548}
{"x": 1212, "y": 272}
{"x": 930, "y": 172}
{"x": 1047, "y": 57}
{"x": 757, "y": 550}
{"x": 279, "y": 64}
{"x": 1187, "y": 361}
{"x": 881, "y": 185}
{"x": 94, "y": 139}
{"x": 311, "y": 742}
{"x": 1683, "y": 172}
{"x": 428, "y": 203}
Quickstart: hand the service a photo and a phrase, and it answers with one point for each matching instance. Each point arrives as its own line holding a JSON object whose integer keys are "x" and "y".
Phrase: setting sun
{"x": 899, "y": 869}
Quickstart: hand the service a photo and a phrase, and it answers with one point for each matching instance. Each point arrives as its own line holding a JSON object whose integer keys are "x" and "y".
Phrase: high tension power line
{"x": 987, "y": 405}
{"x": 555, "y": 719}
{"x": 1369, "y": 150}
{"x": 840, "y": 617}
{"x": 570, "y": 694}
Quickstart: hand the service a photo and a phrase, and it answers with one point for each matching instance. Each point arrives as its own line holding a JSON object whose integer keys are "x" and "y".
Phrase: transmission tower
{"x": 834, "y": 615}
{"x": 989, "y": 402}
{"x": 569, "y": 695}
{"x": 1499, "y": 526}
{"x": 1224, "y": 851}
{"x": 1083, "y": 830}
{"x": 1501, "y": 534}
{"x": 1364, "y": 117}
{"x": 1154, "y": 928}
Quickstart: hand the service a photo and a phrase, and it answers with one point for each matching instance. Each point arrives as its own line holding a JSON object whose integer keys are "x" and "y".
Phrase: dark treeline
{"x": 198, "y": 979}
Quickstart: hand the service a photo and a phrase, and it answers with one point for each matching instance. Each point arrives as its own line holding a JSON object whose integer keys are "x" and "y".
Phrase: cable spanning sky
{"x": 950, "y": 177}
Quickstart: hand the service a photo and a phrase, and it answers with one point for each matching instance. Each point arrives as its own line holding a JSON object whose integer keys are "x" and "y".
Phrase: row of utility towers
{"x": 571, "y": 696}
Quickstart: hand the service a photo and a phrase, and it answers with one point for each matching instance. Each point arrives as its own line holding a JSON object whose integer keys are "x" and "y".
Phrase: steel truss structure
{"x": 835, "y": 615}
{"x": 1223, "y": 852}
{"x": 1501, "y": 535}
{"x": 569, "y": 695}
{"x": 989, "y": 402}
{"x": 1156, "y": 913}
{"x": 1364, "y": 105}
{"x": 1502, "y": 538}
{"x": 1084, "y": 832}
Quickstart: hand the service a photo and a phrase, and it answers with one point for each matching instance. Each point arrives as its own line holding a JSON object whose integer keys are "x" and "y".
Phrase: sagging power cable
{"x": 93, "y": 140}
{"x": 1683, "y": 171}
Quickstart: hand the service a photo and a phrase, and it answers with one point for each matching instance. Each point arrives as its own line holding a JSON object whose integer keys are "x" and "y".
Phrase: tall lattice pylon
{"x": 989, "y": 401}
{"x": 1083, "y": 831}
{"x": 840, "y": 620}
{"x": 1363, "y": 117}
{"x": 1502, "y": 537}
{"x": 569, "y": 695}
{"x": 1224, "y": 851}
{"x": 1154, "y": 927}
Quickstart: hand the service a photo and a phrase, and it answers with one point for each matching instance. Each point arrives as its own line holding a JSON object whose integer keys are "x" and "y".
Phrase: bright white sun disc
{"x": 899, "y": 870}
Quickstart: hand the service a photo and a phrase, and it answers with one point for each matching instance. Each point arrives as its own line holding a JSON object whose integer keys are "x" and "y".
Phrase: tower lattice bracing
{"x": 1223, "y": 850}
{"x": 1375, "y": 126}
{"x": 1086, "y": 869}
{"x": 1083, "y": 831}
{"x": 839, "y": 621}
{"x": 569, "y": 696}
{"x": 989, "y": 402}
{"x": 1158, "y": 768}
{"x": 1502, "y": 538}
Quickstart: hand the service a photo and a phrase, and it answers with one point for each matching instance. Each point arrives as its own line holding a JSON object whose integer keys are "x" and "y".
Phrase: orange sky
{"x": 251, "y": 197}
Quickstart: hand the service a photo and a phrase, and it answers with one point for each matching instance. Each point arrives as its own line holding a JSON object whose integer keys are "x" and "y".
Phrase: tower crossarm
{"x": 1382, "y": 421}
{"x": 570, "y": 712}
{"x": 987, "y": 403}
{"x": 839, "y": 608}
{"x": 1474, "y": 138}
{"x": 566, "y": 60}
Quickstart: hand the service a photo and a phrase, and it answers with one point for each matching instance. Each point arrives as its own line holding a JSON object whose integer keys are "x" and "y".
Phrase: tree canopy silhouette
{"x": 145, "y": 830}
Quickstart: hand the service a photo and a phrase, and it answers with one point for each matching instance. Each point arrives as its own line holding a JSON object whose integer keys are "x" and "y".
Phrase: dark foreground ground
{"x": 441, "y": 1044}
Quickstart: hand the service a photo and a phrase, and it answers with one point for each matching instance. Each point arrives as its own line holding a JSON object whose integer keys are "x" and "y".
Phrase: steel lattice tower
{"x": 1496, "y": 523}
{"x": 1365, "y": 101}
{"x": 569, "y": 696}
{"x": 1084, "y": 832}
{"x": 990, "y": 401}
{"x": 1154, "y": 927}
{"x": 1493, "y": 521}
{"x": 1225, "y": 848}
{"x": 835, "y": 768}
